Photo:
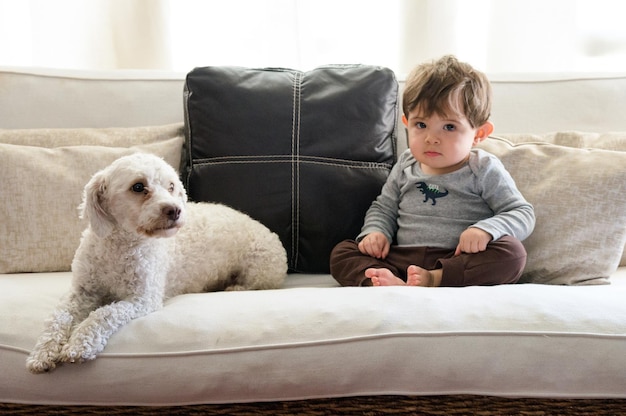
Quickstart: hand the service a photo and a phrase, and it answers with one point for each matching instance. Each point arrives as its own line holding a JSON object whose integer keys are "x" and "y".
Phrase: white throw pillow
{"x": 43, "y": 174}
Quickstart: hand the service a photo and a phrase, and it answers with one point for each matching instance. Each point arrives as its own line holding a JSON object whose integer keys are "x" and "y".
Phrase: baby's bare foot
{"x": 383, "y": 277}
{"x": 416, "y": 276}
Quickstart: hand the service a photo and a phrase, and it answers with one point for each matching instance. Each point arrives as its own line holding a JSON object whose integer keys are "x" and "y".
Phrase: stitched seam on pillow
{"x": 295, "y": 173}
{"x": 293, "y": 133}
{"x": 241, "y": 160}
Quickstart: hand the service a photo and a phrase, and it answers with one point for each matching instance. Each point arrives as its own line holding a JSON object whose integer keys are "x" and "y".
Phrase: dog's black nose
{"x": 171, "y": 212}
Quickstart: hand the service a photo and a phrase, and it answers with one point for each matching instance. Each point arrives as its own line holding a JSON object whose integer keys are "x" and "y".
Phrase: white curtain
{"x": 493, "y": 35}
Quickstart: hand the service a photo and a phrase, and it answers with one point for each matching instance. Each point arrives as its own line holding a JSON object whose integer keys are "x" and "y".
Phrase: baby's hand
{"x": 375, "y": 244}
{"x": 473, "y": 240}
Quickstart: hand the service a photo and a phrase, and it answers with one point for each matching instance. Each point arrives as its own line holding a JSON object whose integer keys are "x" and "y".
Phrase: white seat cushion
{"x": 313, "y": 339}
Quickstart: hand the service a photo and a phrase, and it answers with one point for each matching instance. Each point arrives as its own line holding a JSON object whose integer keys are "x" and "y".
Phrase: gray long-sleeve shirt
{"x": 417, "y": 209}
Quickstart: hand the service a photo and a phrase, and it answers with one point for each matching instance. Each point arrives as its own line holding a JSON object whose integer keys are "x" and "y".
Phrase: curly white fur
{"x": 123, "y": 269}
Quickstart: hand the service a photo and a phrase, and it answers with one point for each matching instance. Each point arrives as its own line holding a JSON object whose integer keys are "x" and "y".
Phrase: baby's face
{"x": 441, "y": 144}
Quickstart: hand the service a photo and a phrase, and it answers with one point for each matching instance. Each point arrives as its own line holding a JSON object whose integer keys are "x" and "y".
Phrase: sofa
{"x": 559, "y": 333}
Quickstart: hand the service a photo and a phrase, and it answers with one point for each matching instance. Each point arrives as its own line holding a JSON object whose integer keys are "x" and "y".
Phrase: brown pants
{"x": 502, "y": 262}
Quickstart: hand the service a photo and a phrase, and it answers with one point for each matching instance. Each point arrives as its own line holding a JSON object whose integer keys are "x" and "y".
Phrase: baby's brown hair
{"x": 447, "y": 85}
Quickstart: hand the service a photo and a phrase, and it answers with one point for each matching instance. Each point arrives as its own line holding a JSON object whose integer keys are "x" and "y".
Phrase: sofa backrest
{"x": 523, "y": 103}
{"x": 49, "y": 98}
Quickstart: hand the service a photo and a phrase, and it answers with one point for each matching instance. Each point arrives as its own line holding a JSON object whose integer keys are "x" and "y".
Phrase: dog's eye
{"x": 171, "y": 188}
{"x": 138, "y": 187}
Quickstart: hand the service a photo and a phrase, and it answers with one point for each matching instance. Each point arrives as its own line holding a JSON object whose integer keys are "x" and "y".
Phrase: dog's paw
{"x": 72, "y": 353}
{"x": 41, "y": 362}
{"x": 81, "y": 347}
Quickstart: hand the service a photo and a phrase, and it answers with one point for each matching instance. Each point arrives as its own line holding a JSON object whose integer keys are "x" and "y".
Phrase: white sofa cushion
{"x": 579, "y": 196}
{"x": 313, "y": 339}
{"x": 43, "y": 174}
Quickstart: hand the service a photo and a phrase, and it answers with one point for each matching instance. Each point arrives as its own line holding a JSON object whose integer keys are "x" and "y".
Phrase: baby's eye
{"x": 420, "y": 125}
{"x": 449, "y": 127}
{"x": 138, "y": 187}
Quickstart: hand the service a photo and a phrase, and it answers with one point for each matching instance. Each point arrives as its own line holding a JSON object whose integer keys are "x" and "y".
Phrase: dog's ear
{"x": 93, "y": 208}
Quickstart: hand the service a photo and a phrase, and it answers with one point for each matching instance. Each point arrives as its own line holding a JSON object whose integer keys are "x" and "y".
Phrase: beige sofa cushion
{"x": 579, "y": 197}
{"x": 43, "y": 173}
{"x": 581, "y": 140}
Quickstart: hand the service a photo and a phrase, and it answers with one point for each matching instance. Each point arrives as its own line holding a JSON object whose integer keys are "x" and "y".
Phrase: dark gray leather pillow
{"x": 305, "y": 153}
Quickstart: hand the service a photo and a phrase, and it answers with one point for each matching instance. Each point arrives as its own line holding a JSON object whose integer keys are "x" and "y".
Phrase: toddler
{"x": 449, "y": 214}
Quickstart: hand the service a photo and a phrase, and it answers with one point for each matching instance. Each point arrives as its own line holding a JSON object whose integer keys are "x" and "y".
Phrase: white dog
{"x": 123, "y": 270}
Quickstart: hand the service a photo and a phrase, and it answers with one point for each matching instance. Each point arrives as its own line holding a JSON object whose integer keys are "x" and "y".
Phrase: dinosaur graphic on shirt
{"x": 431, "y": 192}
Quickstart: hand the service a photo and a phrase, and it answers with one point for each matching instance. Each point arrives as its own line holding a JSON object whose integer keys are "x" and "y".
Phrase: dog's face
{"x": 139, "y": 193}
